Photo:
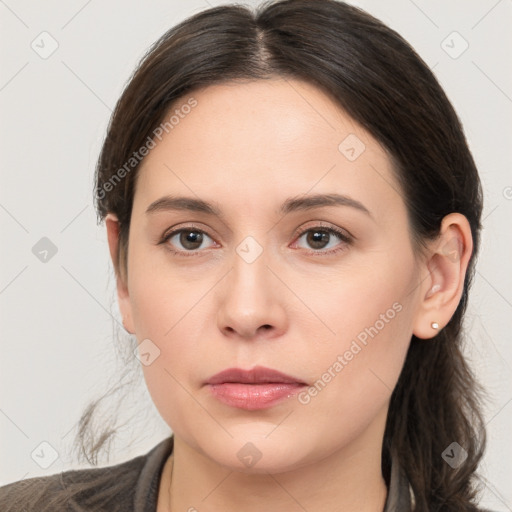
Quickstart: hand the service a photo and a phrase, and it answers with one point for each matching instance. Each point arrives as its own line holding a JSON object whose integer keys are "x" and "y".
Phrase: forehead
{"x": 262, "y": 140}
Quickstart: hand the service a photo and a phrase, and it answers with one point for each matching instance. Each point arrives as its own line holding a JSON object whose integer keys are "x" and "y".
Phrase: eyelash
{"x": 344, "y": 237}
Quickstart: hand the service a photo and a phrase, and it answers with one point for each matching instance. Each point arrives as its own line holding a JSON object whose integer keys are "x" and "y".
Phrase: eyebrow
{"x": 292, "y": 204}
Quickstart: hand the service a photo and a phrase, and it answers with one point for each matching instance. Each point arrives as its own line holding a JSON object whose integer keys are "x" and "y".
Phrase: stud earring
{"x": 434, "y": 325}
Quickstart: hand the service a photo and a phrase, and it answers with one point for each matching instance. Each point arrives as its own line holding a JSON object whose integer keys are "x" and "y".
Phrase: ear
{"x": 113, "y": 227}
{"x": 445, "y": 267}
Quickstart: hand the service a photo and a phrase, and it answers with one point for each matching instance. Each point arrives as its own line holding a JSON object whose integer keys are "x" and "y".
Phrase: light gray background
{"x": 56, "y": 328}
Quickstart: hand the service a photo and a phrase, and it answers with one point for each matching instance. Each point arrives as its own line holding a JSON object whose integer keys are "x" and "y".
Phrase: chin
{"x": 251, "y": 452}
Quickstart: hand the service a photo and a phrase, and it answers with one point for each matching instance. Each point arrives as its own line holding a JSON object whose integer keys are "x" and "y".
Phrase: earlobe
{"x": 446, "y": 267}
{"x": 123, "y": 296}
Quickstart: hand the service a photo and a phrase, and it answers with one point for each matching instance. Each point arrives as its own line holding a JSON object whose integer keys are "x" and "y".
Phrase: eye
{"x": 190, "y": 241}
{"x": 187, "y": 240}
{"x": 320, "y": 238}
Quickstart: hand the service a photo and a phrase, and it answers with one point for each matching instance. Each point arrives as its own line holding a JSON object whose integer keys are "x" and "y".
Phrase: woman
{"x": 293, "y": 215}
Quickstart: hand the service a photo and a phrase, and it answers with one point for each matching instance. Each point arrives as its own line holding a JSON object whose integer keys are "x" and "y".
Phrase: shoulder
{"x": 109, "y": 488}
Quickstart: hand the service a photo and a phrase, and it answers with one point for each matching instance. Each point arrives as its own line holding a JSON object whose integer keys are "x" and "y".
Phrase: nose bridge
{"x": 248, "y": 299}
{"x": 250, "y": 274}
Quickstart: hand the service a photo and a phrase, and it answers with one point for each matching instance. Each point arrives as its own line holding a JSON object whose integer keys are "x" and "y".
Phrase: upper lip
{"x": 256, "y": 375}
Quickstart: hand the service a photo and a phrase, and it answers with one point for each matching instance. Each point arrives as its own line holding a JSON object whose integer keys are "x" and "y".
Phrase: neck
{"x": 349, "y": 479}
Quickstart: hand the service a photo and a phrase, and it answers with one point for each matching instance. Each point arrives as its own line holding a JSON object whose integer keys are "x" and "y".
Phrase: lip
{"x": 256, "y": 375}
{"x": 257, "y": 388}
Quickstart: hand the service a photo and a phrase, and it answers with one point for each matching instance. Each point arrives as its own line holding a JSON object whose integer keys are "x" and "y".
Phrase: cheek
{"x": 364, "y": 301}
{"x": 370, "y": 312}
{"x": 168, "y": 320}
{"x": 160, "y": 294}
{"x": 167, "y": 309}
{"x": 168, "y": 312}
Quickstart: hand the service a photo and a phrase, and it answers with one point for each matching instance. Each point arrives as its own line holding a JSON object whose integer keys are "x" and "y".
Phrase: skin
{"x": 248, "y": 147}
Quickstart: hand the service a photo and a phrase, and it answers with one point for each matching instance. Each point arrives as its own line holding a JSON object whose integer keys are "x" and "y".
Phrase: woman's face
{"x": 301, "y": 262}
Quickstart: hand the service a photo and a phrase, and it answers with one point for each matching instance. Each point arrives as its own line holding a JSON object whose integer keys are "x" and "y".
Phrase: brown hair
{"x": 380, "y": 81}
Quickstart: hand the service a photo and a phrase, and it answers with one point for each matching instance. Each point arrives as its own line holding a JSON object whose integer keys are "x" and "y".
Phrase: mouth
{"x": 254, "y": 389}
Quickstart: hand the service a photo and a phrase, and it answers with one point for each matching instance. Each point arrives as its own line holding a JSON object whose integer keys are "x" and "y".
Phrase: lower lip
{"x": 254, "y": 396}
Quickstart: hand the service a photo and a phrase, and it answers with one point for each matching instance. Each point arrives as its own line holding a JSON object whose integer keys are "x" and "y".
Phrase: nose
{"x": 251, "y": 301}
